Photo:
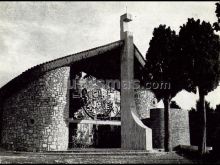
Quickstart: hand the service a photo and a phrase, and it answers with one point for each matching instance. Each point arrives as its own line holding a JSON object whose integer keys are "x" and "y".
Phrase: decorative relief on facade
{"x": 99, "y": 103}
{"x": 97, "y": 100}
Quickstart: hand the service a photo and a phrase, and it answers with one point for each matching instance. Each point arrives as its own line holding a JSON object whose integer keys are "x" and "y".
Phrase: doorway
{"x": 90, "y": 135}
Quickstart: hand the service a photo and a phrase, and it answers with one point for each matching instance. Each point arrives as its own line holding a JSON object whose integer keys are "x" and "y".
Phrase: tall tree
{"x": 162, "y": 66}
{"x": 200, "y": 48}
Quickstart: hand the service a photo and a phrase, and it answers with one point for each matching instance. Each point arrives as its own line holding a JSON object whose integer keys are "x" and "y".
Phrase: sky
{"x": 36, "y": 32}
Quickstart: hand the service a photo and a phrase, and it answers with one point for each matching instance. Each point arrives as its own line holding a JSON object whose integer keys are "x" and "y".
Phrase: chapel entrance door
{"x": 91, "y": 135}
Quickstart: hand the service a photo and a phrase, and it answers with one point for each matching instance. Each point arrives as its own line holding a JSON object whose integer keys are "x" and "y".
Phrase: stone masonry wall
{"x": 144, "y": 100}
{"x": 35, "y": 118}
{"x": 180, "y": 127}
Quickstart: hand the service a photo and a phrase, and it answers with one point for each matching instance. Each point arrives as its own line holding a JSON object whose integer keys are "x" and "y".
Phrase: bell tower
{"x": 134, "y": 134}
{"x": 124, "y": 21}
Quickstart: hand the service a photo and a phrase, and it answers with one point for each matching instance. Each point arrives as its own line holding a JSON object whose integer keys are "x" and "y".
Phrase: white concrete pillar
{"x": 134, "y": 135}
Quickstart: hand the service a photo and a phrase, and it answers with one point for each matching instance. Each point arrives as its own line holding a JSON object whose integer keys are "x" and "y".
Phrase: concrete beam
{"x": 96, "y": 122}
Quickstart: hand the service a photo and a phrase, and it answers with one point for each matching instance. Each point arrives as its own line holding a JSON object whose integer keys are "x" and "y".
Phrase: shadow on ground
{"x": 193, "y": 155}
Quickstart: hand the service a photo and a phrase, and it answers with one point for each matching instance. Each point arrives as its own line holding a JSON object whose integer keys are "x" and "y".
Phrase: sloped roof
{"x": 34, "y": 72}
{"x": 139, "y": 56}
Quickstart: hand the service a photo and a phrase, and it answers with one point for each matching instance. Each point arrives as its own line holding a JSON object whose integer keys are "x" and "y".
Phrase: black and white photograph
{"x": 110, "y": 82}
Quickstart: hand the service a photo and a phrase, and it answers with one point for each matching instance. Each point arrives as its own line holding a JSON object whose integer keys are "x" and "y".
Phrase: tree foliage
{"x": 217, "y": 12}
{"x": 200, "y": 50}
{"x": 162, "y": 63}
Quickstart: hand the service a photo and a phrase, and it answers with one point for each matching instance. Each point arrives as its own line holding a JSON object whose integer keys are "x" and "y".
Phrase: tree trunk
{"x": 202, "y": 116}
{"x": 167, "y": 126}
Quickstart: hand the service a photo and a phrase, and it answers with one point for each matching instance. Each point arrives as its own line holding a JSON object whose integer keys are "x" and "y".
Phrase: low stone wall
{"x": 35, "y": 118}
{"x": 179, "y": 126}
